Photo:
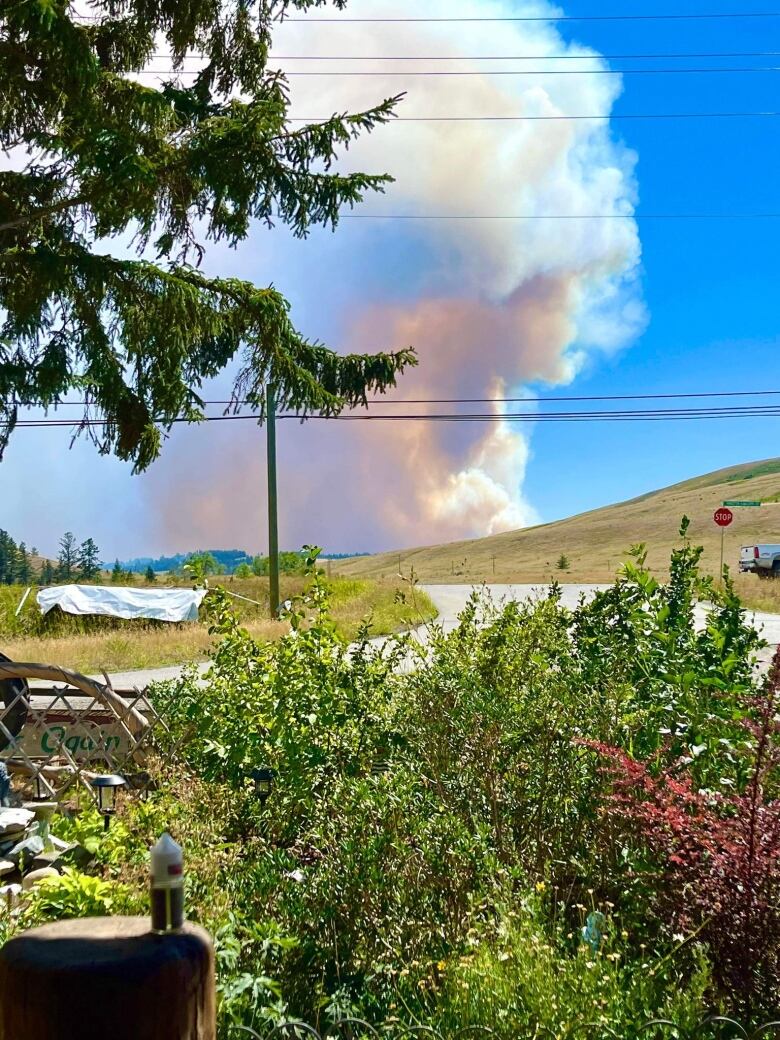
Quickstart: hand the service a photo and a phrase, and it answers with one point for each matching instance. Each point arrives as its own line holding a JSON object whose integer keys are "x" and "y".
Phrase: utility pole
{"x": 273, "y": 523}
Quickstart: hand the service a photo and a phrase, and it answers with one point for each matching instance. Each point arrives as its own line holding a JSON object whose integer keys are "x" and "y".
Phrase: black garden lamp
{"x": 264, "y": 781}
{"x": 107, "y": 787}
{"x": 42, "y": 791}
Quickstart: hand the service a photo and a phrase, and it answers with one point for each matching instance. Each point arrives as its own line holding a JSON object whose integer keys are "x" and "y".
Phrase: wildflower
{"x": 441, "y": 965}
{"x": 624, "y": 935}
{"x": 540, "y": 887}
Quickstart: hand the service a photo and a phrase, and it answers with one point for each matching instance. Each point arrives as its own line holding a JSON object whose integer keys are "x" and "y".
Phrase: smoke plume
{"x": 489, "y": 305}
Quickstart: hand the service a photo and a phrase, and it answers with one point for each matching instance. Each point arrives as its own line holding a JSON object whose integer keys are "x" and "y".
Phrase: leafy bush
{"x": 683, "y": 685}
{"x": 73, "y": 894}
{"x": 435, "y": 832}
{"x": 308, "y": 706}
{"x": 538, "y": 975}
{"x": 709, "y": 863}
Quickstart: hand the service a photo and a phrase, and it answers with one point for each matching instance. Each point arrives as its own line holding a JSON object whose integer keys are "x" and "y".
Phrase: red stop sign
{"x": 723, "y": 517}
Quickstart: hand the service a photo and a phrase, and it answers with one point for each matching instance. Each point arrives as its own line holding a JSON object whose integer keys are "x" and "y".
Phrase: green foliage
{"x": 434, "y": 850}
{"x": 682, "y": 683}
{"x": 289, "y": 563}
{"x": 88, "y": 560}
{"x": 306, "y": 706}
{"x": 87, "y": 829}
{"x": 534, "y": 976}
{"x": 15, "y": 562}
{"x": 201, "y": 565}
{"x": 72, "y": 894}
{"x": 116, "y": 157}
{"x": 68, "y": 558}
{"x": 563, "y": 563}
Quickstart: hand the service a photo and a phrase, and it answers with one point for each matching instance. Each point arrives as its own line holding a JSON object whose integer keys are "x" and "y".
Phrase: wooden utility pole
{"x": 273, "y": 521}
{"x": 107, "y": 976}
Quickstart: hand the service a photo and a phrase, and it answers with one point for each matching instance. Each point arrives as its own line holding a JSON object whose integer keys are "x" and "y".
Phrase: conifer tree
{"x": 7, "y": 558}
{"x": 89, "y": 560}
{"x": 23, "y": 566}
{"x": 151, "y": 577}
{"x": 47, "y": 575}
{"x": 110, "y": 156}
{"x": 117, "y": 574}
{"x": 67, "y": 560}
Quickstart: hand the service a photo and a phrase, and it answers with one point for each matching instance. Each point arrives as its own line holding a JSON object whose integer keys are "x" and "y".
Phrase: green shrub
{"x": 433, "y": 836}
{"x": 73, "y": 894}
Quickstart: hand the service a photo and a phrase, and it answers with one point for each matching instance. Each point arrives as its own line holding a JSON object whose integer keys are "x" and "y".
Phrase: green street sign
{"x": 743, "y": 505}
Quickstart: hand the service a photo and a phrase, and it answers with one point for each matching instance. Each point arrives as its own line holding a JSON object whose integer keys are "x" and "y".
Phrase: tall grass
{"x": 95, "y": 644}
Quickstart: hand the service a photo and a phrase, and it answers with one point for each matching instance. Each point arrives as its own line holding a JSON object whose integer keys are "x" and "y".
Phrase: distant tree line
{"x": 22, "y": 566}
{"x": 226, "y": 560}
{"x": 218, "y": 561}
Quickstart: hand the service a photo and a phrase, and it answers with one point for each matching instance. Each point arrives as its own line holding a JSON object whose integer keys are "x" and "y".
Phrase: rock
{"x": 74, "y": 856}
{"x": 25, "y": 851}
{"x": 32, "y": 879}
{"x": 9, "y": 896}
{"x": 6, "y": 867}
{"x": 49, "y": 858}
{"x": 14, "y": 821}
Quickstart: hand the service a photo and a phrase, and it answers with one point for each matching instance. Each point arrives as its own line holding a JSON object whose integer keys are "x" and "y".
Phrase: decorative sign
{"x": 723, "y": 517}
{"x": 56, "y": 719}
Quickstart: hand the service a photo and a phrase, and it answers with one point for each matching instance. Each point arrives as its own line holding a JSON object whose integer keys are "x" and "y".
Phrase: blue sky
{"x": 710, "y": 289}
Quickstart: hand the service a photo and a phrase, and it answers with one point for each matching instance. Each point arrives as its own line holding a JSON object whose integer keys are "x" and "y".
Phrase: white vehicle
{"x": 763, "y": 560}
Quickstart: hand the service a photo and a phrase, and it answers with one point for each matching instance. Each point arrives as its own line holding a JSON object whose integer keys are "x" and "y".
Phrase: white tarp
{"x": 120, "y": 602}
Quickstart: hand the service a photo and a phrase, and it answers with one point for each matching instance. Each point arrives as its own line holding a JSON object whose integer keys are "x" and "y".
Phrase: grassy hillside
{"x": 596, "y": 542}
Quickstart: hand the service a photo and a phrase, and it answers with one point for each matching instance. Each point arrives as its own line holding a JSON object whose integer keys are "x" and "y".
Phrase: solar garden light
{"x": 107, "y": 787}
{"x": 41, "y": 793}
{"x": 264, "y": 781}
{"x": 44, "y": 809}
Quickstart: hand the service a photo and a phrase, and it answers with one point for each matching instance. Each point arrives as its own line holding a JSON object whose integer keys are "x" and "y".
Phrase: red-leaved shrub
{"x": 713, "y": 860}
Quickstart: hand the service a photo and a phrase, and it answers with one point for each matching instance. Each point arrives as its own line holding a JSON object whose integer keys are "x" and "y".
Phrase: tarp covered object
{"x": 119, "y": 602}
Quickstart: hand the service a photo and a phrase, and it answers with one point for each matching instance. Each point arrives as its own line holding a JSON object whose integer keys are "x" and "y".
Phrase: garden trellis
{"x": 56, "y": 737}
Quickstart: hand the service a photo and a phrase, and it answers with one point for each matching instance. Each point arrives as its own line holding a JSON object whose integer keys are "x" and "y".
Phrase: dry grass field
{"x": 92, "y": 645}
{"x": 596, "y": 542}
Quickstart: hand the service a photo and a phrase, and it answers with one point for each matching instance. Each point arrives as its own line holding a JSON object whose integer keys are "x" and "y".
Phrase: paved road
{"x": 450, "y": 601}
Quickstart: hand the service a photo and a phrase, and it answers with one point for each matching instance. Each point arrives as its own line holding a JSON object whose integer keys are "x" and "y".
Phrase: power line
{"x": 690, "y": 395}
{"x": 541, "y": 119}
{"x": 493, "y": 57}
{"x": 559, "y": 216}
{"x": 626, "y": 415}
{"x": 523, "y": 18}
{"x": 560, "y": 18}
{"x": 493, "y": 72}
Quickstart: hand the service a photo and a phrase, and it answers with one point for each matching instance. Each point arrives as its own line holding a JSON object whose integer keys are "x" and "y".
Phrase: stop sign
{"x": 723, "y": 517}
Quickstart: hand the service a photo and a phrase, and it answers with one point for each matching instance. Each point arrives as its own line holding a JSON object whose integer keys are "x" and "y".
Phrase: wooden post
{"x": 101, "y": 977}
{"x": 273, "y": 506}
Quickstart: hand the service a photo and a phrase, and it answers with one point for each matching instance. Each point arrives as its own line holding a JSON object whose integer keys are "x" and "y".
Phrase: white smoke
{"x": 495, "y": 304}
